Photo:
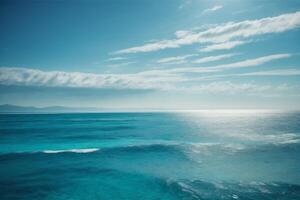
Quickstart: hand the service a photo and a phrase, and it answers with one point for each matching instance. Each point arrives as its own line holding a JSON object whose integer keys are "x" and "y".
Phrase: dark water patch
{"x": 90, "y": 137}
{"x": 54, "y": 129}
{"x": 104, "y": 120}
{"x": 20, "y": 188}
{"x": 144, "y": 148}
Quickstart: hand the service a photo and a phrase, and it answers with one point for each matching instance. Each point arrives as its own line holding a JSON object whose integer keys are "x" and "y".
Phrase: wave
{"x": 98, "y": 119}
{"x": 285, "y": 138}
{"x": 201, "y": 189}
{"x": 91, "y": 150}
{"x": 186, "y": 148}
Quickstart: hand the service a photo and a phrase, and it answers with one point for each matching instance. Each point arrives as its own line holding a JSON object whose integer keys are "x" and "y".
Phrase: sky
{"x": 142, "y": 54}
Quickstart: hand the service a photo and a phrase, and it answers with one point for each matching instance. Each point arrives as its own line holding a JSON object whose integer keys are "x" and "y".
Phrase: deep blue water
{"x": 191, "y": 155}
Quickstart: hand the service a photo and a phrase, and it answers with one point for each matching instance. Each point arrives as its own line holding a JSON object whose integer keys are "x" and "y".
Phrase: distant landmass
{"x": 8, "y": 108}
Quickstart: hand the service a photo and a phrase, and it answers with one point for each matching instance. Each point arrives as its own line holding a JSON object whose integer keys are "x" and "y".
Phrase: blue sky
{"x": 179, "y": 54}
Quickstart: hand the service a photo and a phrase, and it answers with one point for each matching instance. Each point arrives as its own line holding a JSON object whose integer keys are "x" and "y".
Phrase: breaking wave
{"x": 72, "y": 150}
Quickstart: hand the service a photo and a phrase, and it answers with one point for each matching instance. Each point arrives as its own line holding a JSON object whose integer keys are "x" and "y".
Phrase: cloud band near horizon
{"x": 165, "y": 79}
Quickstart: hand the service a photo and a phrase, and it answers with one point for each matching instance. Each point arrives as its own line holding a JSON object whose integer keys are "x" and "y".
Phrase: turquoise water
{"x": 186, "y": 155}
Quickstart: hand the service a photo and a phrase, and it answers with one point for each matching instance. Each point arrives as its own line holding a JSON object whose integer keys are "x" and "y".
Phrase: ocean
{"x": 150, "y": 156}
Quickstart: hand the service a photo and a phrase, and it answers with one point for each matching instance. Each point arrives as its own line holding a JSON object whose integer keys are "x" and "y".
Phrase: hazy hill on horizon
{"x": 10, "y": 108}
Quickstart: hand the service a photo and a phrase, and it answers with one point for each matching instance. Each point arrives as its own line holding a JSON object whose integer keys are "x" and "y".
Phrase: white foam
{"x": 72, "y": 150}
{"x": 206, "y": 147}
{"x": 286, "y": 138}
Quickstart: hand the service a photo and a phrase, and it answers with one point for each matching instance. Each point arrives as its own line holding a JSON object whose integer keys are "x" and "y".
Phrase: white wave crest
{"x": 72, "y": 150}
{"x": 286, "y": 138}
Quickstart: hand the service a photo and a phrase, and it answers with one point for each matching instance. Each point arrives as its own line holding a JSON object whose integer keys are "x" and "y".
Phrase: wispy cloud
{"x": 155, "y": 79}
{"x": 175, "y": 59}
{"x": 141, "y": 81}
{"x": 184, "y": 4}
{"x": 229, "y": 87}
{"x": 164, "y": 44}
{"x": 213, "y": 58}
{"x": 120, "y": 64}
{"x": 253, "y": 62}
{"x": 33, "y": 77}
{"x": 241, "y": 64}
{"x": 223, "y": 45}
{"x": 116, "y": 58}
{"x": 184, "y": 59}
{"x": 277, "y": 72}
{"x": 215, "y": 8}
{"x": 165, "y": 79}
{"x": 224, "y": 33}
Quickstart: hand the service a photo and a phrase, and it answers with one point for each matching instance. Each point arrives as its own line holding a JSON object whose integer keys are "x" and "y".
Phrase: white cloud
{"x": 181, "y": 71}
{"x": 165, "y": 79}
{"x": 213, "y": 58}
{"x": 175, "y": 59}
{"x": 116, "y": 58}
{"x": 224, "y": 33}
{"x": 215, "y": 8}
{"x": 241, "y": 64}
{"x": 33, "y": 77}
{"x": 184, "y": 59}
{"x": 253, "y": 62}
{"x": 155, "y": 79}
{"x": 120, "y": 64}
{"x": 228, "y": 87}
{"x": 222, "y": 46}
{"x": 151, "y": 47}
{"x": 279, "y": 72}
{"x": 182, "y": 33}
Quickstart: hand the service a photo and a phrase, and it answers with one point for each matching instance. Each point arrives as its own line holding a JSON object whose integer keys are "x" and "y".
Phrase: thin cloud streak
{"x": 116, "y": 58}
{"x": 229, "y": 88}
{"x": 120, "y": 64}
{"x": 223, "y": 46}
{"x": 175, "y": 59}
{"x": 277, "y": 72}
{"x": 213, "y": 9}
{"x": 280, "y": 72}
{"x": 33, "y": 77}
{"x": 242, "y": 64}
{"x": 213, "y": 58}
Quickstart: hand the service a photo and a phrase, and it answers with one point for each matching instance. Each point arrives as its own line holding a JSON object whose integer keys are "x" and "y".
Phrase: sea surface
{"x": 150, "y": 156}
